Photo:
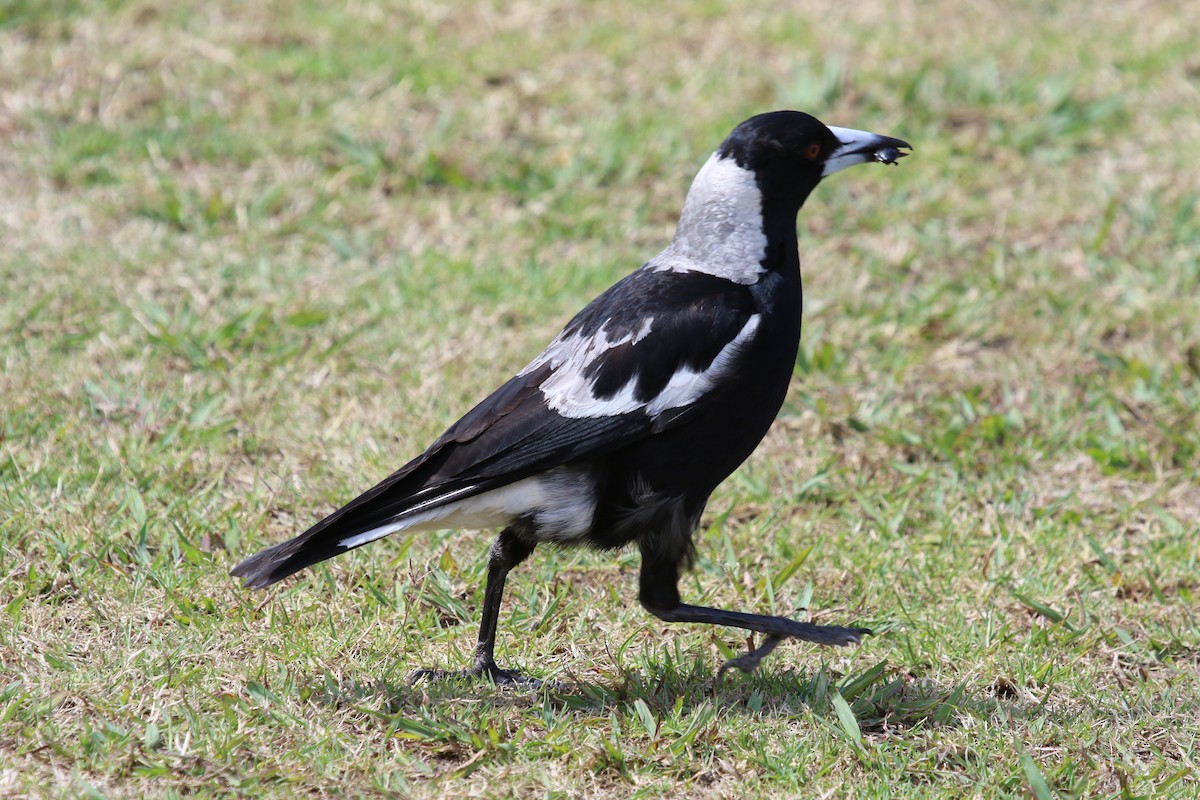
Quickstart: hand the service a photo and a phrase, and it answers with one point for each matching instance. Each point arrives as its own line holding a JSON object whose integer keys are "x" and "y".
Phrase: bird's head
{"x": 742, "y": 206}
{"x": 789, "y": 152}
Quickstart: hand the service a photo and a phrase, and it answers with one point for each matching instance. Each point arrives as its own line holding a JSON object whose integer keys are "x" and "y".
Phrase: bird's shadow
{"x": 884, "y": 698}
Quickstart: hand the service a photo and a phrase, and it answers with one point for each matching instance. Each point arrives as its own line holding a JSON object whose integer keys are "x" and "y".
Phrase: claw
{"x": 492, "y": 673}
{"x": 748, "y": 662}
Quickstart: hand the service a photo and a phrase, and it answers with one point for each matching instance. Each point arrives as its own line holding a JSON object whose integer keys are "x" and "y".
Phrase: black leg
{"x": 508, "y": 550}
{"x": 659, "y": 594}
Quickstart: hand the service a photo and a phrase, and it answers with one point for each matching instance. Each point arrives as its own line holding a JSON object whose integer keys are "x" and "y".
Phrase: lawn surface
{"x": 257, "y": 255}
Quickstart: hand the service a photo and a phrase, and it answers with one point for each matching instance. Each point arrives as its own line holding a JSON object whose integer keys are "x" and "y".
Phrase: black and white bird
{"x": 618, "y": 432}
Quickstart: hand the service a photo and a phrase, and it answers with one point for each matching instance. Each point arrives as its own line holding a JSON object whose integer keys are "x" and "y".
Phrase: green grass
{"x": 255, "y": 256}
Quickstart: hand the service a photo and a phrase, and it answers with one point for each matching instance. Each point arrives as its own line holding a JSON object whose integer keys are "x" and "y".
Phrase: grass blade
{"x": 1037, "y": 784}
{"x": 846, "y": 719}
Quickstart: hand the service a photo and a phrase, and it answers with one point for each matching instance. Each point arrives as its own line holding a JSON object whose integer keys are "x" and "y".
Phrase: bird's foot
{"x": 487, "y": 672}
{"x": 835, "y": 635}
{"x": 748, "y": 662}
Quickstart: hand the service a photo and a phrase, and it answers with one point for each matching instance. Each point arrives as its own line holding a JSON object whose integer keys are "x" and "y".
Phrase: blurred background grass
{"x": 254, "y": 258}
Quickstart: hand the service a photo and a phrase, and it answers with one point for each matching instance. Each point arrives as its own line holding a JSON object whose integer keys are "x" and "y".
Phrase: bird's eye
{"x": 812, "y": 151}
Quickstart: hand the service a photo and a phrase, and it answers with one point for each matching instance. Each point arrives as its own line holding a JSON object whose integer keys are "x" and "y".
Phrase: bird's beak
{"x": 859, "y": 147}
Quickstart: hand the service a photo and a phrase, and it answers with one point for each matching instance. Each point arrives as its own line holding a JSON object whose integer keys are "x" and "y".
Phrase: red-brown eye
{"x": 813, "y": 151}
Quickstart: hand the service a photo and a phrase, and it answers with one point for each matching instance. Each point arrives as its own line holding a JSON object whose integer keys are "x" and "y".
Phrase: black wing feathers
{"x": 513, "y": 433}
{"x": 693, "y": 316}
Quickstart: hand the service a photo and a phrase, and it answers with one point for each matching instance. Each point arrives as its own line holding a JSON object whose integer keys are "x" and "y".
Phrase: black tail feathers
{"x": 281, "y": 560}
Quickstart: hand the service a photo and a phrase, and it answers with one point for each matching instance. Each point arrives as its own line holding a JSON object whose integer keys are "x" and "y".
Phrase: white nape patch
{"x": 561, "y": 503}
{"x": 854, "y": 149}
{"x": 720, "y": 231}
{"x": 569, "y": 392}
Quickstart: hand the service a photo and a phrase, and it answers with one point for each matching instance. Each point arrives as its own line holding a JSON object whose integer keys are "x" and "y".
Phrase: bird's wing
{"x": 625, "y": 367}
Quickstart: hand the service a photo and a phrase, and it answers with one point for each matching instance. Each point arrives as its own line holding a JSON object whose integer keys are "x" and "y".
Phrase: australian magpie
{"x": 619, "y": 431}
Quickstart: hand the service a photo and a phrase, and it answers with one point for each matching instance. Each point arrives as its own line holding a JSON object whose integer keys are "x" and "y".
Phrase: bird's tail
{"x": 281, "y": 560}
{"x": 390, "y": 507}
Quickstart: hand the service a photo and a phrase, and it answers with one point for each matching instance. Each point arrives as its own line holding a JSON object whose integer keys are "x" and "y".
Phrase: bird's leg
{"x": 659, "y": 594}
{"x": 507, "y": 551}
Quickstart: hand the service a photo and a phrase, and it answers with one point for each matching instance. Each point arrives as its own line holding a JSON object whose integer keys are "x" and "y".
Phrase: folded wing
{"x": 628, "y": 365}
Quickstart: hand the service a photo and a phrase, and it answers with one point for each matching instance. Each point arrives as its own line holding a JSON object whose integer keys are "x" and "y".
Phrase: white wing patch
{"x": 560, "y": 503}
{"x": 569, "y": 391}
{"x": 721, "y": 228}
